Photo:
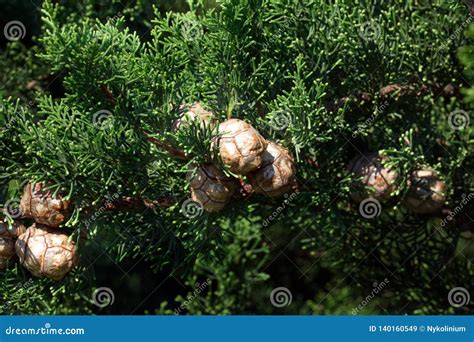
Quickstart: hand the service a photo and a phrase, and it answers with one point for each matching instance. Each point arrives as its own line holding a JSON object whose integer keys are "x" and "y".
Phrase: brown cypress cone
{"x": 46, "y": 252}
{"x": 426, "y": 194}
{"x": 277, "y": 174}
{"x": 7, "y": 243}
{"x": 193, "y": 112}
{"x": 241, "y": 147}
{"x": 211, "y": 187}
{"x": 39, "y": 204}
{"x": 377, "y": 181}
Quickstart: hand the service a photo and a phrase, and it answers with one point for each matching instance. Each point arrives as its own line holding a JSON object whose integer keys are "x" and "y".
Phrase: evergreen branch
{"x": 168, "y": 148}
{"x": 162, "y": 145}
{"x": 396, "y": 89}
{"x": 140, "y": 204}
{"x": 106, "y": 91}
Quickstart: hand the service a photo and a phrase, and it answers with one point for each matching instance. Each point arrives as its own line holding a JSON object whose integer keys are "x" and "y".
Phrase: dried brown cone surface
{"x": 7, "y": 243}
{"x": 40, "y": 205}
{"x": 241, "y": 147}
{"x": 211, "y": 187}
{"x": 373, "y": 179}
{"x": 46, "y": 252}
{"x": 426, "y": 194}
{"x": 193, "y": 112}
{"x": 277, "y": 174}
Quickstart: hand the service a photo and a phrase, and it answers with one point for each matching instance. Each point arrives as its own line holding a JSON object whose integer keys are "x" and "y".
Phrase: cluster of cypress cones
{"x": 270, "y": 170}
{"x": 426, "y": 192}
{"x": 44, "y": 249}
{"x": 268, "y": 166}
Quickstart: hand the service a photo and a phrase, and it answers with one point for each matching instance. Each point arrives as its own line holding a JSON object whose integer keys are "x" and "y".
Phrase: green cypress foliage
{"x": 327, "y": 79}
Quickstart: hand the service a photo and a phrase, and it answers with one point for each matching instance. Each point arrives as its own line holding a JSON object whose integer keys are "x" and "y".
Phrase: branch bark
{"x": 174, "y": 152}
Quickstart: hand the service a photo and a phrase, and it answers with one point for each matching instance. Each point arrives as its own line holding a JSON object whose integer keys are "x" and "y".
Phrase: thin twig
{"x": 168, "y": 148}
